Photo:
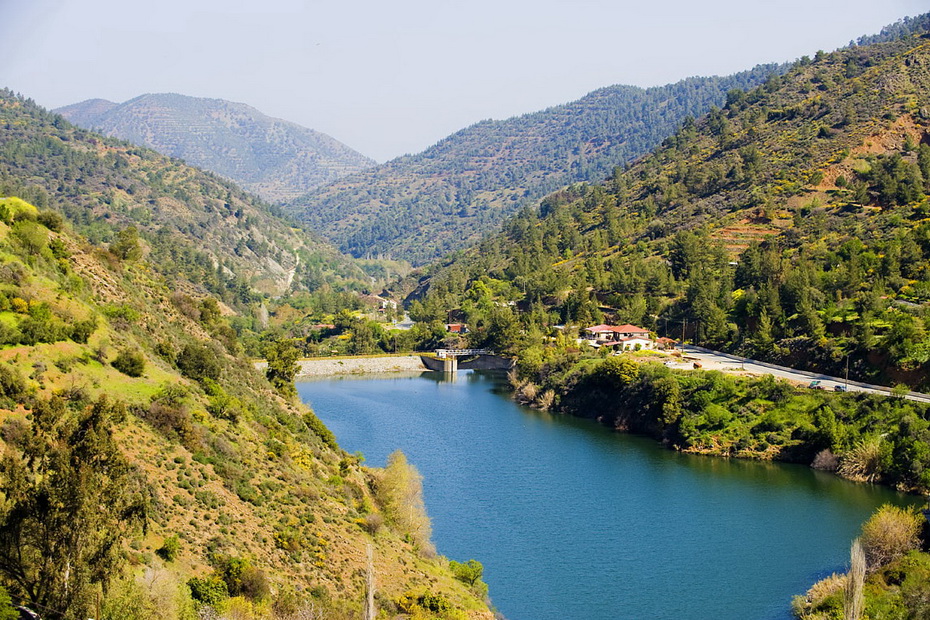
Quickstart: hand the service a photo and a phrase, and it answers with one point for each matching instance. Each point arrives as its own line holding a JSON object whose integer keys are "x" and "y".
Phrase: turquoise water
{"x": 574, "y": 521}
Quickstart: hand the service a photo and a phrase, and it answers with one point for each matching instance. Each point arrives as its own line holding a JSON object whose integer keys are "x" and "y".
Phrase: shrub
{"x": 12, "y": 383}
{"x": 13, "y": 209}
{"x": 82, "y": 330}
{"x": 825, "y": 461}
{"x": 7, "y": 611}
{"x": 130, "y": 362}
{"x": 198, "y": 362}
{"x": 373, "y": 523}
{"x": 32, "y": 238}
{"x": 400, "y": 491}
{"x": 51, "y": 220}
{"x": 242, "y": 577}
{"x": 173, "y": 420}
{"x": 320, "y": 430}
{"x": 170, "y": 548}
{"x": 889, "y": 534}
{"x": 208, "y": 590}
{"x": 863, "y": 461}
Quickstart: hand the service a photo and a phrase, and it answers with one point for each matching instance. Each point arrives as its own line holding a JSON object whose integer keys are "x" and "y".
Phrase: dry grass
{"x": 863, "y": 461}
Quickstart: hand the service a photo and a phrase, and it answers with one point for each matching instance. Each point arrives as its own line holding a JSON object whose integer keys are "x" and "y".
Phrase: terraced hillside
{"x": 790, "y": 225}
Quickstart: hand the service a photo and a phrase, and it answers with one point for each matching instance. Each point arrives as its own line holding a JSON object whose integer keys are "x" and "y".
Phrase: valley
{"x": 170, "y": 265}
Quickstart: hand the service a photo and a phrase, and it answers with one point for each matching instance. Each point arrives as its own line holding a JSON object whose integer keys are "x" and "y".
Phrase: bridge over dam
{"x": 451, "y": 360}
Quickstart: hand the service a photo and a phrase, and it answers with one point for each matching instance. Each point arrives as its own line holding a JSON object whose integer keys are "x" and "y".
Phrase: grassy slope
{"x": 251, "y": 479}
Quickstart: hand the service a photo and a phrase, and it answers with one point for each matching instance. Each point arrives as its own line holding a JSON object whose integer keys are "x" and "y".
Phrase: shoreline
{"x": 334, "y": 366}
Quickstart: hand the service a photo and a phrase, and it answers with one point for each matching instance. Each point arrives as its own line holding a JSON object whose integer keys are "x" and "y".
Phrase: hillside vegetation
{"x": 420, "y": 207}
{"x": 790, "y": 225}
{"x": 148, "y": 470}
{"x": 192, "y": 224}
{"x": 275, "y": 159}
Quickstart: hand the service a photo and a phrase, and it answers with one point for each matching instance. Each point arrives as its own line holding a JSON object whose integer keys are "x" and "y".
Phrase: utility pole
{"x": 370, "y": 588}
{"x": 847, "y": 372}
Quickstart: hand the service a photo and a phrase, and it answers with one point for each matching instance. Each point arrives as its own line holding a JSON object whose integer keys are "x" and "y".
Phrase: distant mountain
{"x": 272, "y": 158}
{"x": 196, "y": 225}
{"x": 420, "y": 207}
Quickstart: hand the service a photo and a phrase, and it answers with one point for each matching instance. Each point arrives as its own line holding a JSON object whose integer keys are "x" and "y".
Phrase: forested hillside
{"x": 149, "y": 471}
{"x": 193, "y": 224}
{"x": 789, "y": 225}
{"x": 269, "y": 157}
{"x": 420, "y": 207}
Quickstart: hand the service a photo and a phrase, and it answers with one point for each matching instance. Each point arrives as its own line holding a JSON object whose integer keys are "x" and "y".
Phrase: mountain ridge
{"x": 419, "y": 207}
{"x": 274, "y": 158}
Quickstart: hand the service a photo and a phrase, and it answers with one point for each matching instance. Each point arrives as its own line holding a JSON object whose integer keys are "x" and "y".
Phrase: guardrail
{"x": 444, "y": 353}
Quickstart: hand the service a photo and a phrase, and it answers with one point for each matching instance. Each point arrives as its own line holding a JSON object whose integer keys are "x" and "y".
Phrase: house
{"x": 631, "y": 331}
{"x": 378, "y": 302}
{"x": 666, "y": 344}
{"x": 603, "y": 334}
{"x": 636, "y": 343}
{"x": 456, "y": 328}
{"x": 600, "y": 333}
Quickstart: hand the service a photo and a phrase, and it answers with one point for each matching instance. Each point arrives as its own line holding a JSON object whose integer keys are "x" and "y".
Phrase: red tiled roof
{"x": 630, "y": 329}
{"x": 619, "y": 329}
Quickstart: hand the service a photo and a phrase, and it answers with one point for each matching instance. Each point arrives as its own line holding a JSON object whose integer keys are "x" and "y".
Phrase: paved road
{"x": 714, "y": 360}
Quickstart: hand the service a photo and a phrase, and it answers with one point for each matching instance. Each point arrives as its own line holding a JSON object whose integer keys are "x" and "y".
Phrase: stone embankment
{"x": 325, "y": 366}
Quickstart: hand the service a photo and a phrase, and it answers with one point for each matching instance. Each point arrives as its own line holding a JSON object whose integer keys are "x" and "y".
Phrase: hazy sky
{"x": 392, "y": 77}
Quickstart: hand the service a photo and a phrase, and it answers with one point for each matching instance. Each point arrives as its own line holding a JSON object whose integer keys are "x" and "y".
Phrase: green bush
{"x": 170, "y": 549}
{"x": 7, "y": 611}
{"x": 208, "y": 590}
{"x": 82, "y": 330}
{"x": 198, "y": 362}
{"x": 130, "y": 362}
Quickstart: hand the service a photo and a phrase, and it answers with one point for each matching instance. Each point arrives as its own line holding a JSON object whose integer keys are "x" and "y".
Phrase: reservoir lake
{"x": 575, "y": 521}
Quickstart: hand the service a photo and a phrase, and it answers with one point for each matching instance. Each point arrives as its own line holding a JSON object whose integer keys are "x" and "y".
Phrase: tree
{"x": 282, "y": 356}
{"x": 619, "y": 371}
{"x": 400, "y": 491}
{"x": 198, "y": 362}
{"x": 70, "y": 500}
{"x": 127, "y": 246}
{"x": 855, "y": 580}
{"x": 364, "y": 338}
{"x": 889, "y": 534}
{"x": 469, "y": 572}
